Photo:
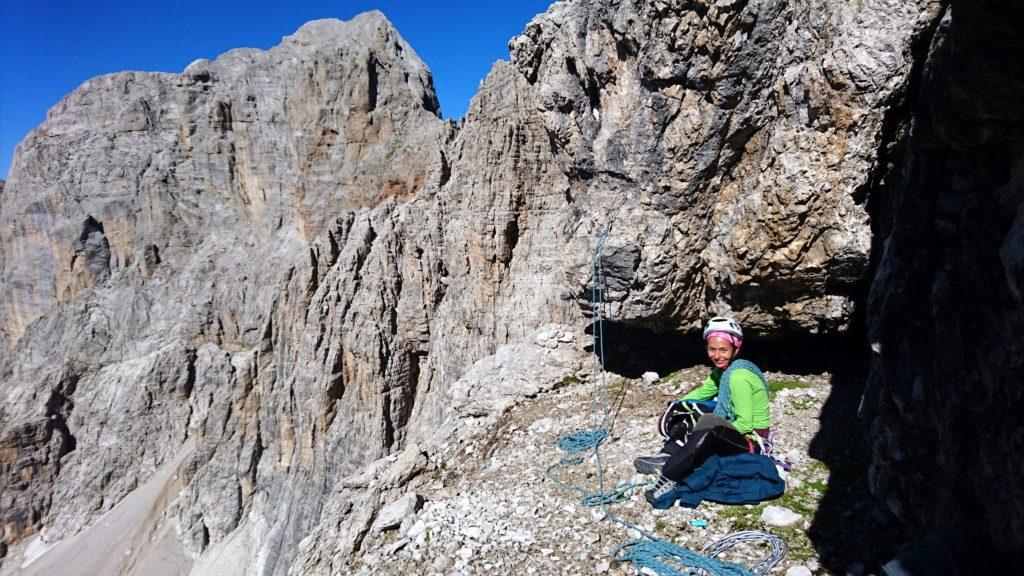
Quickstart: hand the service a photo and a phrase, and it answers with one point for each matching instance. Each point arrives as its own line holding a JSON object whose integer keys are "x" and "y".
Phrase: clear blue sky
{"x": 48, "y": 48}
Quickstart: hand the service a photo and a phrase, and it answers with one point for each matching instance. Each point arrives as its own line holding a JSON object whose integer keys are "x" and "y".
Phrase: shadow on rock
{"x": 630, "y": 351}
{"x": 852, "y": 532}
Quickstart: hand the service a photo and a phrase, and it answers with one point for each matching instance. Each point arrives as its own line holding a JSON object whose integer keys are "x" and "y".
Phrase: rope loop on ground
{"x": 778, "y": 546}
{"x": 666, "y": 559}
{"x": 581, "y": 440}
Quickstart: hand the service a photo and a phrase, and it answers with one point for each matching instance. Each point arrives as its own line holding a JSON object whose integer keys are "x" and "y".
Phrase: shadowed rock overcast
{"x": 246, "y": 306}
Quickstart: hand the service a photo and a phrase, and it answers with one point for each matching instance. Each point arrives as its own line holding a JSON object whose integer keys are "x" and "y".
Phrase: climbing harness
{"x": 652, "y": 555}
{"x": 680, "y": 413}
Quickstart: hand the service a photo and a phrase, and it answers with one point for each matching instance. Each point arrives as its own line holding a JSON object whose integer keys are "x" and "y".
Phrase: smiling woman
{"x": 45, "y": 52}
{"x": 728, "y": 414}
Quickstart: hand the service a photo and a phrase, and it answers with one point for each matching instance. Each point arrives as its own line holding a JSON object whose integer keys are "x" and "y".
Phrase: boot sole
{"x": 646, "y": 467}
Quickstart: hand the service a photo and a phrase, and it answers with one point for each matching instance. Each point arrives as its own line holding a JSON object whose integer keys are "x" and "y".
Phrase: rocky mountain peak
{"x": 263, "y": 146}
{"x": 373, "y": 35}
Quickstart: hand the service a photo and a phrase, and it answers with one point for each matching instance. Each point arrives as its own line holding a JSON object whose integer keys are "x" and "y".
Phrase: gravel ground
{"x": 489, "y": 509}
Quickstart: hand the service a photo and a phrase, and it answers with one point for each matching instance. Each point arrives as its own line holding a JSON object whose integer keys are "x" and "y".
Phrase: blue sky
{"x": 48, "y": 48}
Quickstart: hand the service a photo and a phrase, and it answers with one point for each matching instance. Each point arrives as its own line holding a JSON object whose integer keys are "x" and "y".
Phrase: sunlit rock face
{"x": 247, "y": 282}
{"x": 136, "y": 170}
{"x": 167, "y": 233}
{"x": 727, "y": 144}
{"x": 946, "y": 313}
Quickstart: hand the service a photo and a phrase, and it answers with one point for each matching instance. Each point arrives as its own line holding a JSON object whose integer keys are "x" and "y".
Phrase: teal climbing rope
{"x": 666, "y": 558}
{"x": 652, "y": 554}
{"x": 597, "y": 311}
{"x": 580, "y": 441}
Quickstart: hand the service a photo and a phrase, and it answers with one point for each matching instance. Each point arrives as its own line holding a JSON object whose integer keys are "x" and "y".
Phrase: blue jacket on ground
{"x": 739, "y": 479}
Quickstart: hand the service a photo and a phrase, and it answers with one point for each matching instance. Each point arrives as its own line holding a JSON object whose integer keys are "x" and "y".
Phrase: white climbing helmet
{"x": 723, "y": 324}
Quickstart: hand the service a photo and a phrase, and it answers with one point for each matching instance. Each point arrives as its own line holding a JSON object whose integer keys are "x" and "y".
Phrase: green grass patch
{"x": 800, "y": 546}
{"x": 775, "y": 386}
{"x": 743, "y": 518}
{"x": 802, "y": 403}
{"x": 571, "y": 379}
{"x": 817, "y": 485}
{"x": 800, "y": 500}
{"x": 818, "y": 467}
{"x": 618, "y": 385}
{"x": 675, "y": 380}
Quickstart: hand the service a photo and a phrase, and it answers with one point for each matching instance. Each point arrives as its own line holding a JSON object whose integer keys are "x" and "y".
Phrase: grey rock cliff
{"x": 728, "y": 142}
{"x": 255, "y": 151}
{"x": 276, "y": 269}
{"x": 157, "y": 218}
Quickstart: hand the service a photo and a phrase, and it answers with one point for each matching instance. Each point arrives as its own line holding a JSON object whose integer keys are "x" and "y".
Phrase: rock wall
{"x": 946, "y": 312}
{"x": 728, "y": 142}
{"x": 285, "y": 262}
{"x": 136, "y": 172}
{"x": 157, "y": 221}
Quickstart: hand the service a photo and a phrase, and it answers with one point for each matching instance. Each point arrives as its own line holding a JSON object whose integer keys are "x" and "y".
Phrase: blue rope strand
{"x": 665, "y": 558}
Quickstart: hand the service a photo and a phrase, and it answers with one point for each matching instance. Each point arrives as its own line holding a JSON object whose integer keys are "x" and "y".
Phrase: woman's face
{"x": 720, "y": 351}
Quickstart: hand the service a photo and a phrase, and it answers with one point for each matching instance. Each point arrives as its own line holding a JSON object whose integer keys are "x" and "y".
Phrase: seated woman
{"x": 736, "y": 423}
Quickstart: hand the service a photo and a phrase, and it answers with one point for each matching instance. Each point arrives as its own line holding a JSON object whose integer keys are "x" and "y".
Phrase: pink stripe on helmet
{"x": 730, "y": 337}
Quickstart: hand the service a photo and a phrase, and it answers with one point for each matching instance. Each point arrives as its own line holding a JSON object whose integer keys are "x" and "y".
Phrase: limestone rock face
{"x": 156, "y": 222}
{"x": 134, "y": 173}
{"x": 477, "y": 401}
{"x": 285, "y": 261}
{"x": 726, "y": 144}
{"x": 946, "y": 312}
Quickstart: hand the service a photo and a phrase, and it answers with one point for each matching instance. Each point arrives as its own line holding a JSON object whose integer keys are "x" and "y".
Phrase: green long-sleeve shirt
{"x": 749, "y": 398}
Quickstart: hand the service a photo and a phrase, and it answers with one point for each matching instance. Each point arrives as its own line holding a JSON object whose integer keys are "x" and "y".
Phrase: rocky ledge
{"x": 483, "y": 503}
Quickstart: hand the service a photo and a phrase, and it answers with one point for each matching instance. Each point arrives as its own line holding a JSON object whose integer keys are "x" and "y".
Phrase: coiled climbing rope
{"x": 778, "y": 546}
{"x": 653, "y": 554}
{"x": 665, "y": 558}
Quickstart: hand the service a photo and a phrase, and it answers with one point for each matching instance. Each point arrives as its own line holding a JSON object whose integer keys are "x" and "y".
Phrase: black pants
{"x": 712, "y": 436}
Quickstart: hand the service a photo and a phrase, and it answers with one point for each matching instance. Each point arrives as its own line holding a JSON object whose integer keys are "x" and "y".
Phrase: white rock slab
{"x": 392, "y": 514}
{"x": 779, "y": 516}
